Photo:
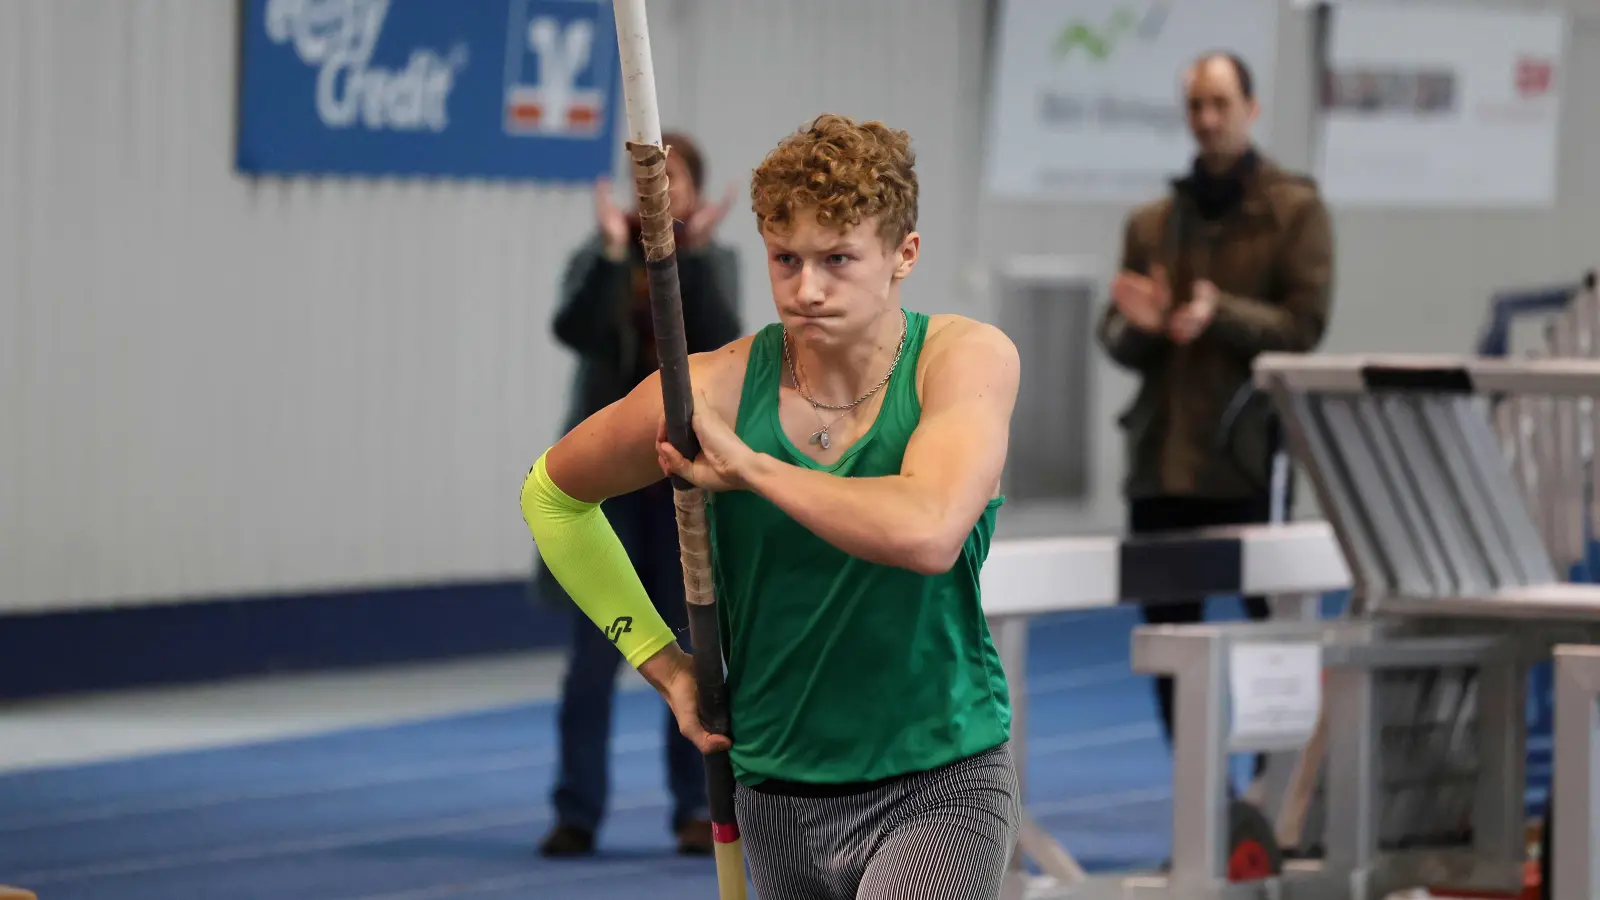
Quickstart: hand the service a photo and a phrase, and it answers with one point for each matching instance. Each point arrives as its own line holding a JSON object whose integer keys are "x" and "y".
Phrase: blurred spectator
{"x": 604, "y": 317}
{"x": 1236, "y": 260}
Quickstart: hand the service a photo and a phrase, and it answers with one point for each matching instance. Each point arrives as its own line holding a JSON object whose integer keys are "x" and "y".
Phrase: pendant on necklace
{"x": 820, "y": 437}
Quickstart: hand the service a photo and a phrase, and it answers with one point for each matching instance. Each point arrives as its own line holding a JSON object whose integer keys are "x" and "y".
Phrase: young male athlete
{"x": 852, "y": 452}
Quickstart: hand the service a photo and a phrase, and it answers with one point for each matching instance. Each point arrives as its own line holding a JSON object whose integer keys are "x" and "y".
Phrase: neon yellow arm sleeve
{"x": 588, "y": 559}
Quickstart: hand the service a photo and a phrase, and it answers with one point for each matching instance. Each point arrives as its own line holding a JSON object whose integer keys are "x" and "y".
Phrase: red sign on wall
{"x": 1534, "y": 76}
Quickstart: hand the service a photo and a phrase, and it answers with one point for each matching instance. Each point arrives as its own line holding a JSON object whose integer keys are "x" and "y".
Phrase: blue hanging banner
{"x": 502, "y": 89}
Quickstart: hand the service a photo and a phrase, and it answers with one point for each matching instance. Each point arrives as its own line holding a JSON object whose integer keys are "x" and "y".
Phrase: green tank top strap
{"x": 763, "y": 376}
{"x": 903, "y": 386}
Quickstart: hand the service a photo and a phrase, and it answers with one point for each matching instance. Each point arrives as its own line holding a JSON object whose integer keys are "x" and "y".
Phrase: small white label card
{"x": 1275, "y": 691}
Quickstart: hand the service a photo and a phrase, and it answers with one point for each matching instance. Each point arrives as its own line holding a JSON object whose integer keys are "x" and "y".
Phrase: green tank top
{"x": 840, "y": 670}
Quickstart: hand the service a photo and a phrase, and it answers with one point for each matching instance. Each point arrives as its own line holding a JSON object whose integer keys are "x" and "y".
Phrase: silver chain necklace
{"x": 821, "y": 436}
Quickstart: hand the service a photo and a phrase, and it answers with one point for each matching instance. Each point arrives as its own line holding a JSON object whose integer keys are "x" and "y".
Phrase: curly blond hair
{"x": 843, "y": 172}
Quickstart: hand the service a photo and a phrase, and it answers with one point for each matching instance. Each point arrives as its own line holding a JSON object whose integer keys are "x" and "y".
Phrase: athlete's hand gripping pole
{"x": 666, "y": 306}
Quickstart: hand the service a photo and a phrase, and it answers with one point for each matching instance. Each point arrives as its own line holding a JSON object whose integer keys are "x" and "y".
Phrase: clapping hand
{"x": 613, "y": 222}
{"x": 705, "y": 219}
{"x": 1191, "y": 319}
{"x": 1143, "y": 300}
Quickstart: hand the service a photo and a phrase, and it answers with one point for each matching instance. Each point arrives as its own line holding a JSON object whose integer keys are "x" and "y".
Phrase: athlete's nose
{"x": 810, "y": 291}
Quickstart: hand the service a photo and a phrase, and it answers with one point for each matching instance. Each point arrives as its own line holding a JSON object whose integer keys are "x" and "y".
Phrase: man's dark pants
{"x": 1147, "y": 515}
{"x": 645, "y": 523}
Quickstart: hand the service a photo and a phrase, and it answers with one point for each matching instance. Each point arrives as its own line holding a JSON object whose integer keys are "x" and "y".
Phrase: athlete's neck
{"x": 840, "y": 373}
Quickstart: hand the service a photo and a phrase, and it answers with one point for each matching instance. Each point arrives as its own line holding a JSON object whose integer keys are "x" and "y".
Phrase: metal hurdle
{"x": 1026, "y": 578}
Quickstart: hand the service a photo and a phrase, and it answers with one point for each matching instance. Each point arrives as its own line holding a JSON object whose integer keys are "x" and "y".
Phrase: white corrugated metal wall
{"x": 210, "y": 386}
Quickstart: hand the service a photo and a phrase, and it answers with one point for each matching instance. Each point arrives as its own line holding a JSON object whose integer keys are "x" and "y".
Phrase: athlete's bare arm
{"x": 613, "y": 452}
{"x": 920, "y": 518}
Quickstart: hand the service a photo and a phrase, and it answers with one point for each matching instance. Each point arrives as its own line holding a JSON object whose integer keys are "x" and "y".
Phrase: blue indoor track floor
{"x": 453, "y": 806}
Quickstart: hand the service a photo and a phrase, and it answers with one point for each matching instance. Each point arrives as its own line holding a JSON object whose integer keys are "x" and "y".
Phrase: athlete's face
{"x": 829, "y": 284}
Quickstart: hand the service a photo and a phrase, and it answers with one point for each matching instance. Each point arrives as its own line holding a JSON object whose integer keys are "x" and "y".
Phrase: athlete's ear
{"x": 906, "y": 255}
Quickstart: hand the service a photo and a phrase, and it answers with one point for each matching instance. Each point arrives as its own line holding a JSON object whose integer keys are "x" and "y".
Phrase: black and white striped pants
{"x": 945, "y": 834}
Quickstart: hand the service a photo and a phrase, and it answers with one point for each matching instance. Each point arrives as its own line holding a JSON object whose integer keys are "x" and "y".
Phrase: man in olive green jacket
{"x": 1237, "y": 260}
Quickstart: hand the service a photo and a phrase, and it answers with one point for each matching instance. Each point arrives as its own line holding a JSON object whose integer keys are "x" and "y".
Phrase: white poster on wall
{"x": 1087, "y": 98}
{"x": 1441, "y": 107}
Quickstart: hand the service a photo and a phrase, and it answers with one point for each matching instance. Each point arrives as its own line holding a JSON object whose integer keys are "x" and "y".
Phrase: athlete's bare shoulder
{"x": 719, "y": 374}
{"x": 964, "y": 341}
{"x": 949, "y": 328}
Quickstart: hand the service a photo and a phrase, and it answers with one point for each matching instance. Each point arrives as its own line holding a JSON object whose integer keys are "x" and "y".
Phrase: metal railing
{"x": 1550, "y": 441}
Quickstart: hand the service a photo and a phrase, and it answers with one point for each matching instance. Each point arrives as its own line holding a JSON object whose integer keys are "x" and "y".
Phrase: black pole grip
{"x": 672, "y": 349}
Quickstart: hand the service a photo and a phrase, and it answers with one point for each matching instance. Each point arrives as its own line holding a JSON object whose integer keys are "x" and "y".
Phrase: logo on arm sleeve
{"x": 623, "y": 625}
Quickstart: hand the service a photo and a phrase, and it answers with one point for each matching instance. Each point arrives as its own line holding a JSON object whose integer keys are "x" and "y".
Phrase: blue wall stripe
{"x": 110, "y": 648}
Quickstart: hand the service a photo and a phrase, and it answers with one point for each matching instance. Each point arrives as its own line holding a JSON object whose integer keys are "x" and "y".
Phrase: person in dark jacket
{"x": 1235, "y": 261}
{"x": 604, "y": 317}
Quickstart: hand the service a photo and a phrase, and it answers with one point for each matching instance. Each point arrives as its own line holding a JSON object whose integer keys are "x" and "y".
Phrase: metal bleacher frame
{"x": 1412, "y": 774}
{"x": 1443, "y": 547}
